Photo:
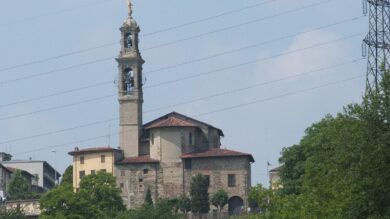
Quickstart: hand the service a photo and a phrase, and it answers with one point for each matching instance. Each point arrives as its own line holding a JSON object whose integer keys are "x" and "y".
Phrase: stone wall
{"x": 218, "y": 170}
{"x": 134, "y": 182}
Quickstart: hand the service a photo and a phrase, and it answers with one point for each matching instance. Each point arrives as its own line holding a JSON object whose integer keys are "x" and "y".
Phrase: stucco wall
{"x": 92, "y": 161}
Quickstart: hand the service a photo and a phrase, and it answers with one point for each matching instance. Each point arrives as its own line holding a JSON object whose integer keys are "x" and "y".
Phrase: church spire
{"x": 131, "y": 82}
{"x": 129, "y": 6}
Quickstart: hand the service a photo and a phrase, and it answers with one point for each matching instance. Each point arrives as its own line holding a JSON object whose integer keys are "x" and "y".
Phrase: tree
{"x": 12, "y": 214}
{"x": 199, "y": 194}
{"x": 67, "y": 177}
{"x": 339, "y": 169}
{"x": 162, "y": 210}
{"x": 148, "y": 198}
{"x": 220, "y": 199}
{"x": 17, "y": 187}
{"x": 184, "y": 203}
{"x": 102, "y": 191}
{"x": 98, "y": 198}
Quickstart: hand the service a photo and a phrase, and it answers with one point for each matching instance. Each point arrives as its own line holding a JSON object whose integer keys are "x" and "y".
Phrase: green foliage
{"x": 199, "y": 194}
{"x": 220, "y": 199}
{"x": 261, "y": 196}
{"x": 67, "y": 177}
{"x": 98, "y": 198}
{"x": 162, "y": 210}
{"x": 17, "y": 187}
{"x": 12, "y": 214}
{"x": 148, "y": 197}
{"x": 340, "y": 167}
{"x": 184, "y": 203}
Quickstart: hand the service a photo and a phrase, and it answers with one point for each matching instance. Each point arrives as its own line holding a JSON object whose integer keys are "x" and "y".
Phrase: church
{"x": 161, "y": 155}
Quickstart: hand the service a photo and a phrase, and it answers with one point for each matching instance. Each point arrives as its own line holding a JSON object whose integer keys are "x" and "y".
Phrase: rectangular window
{"x": 103, "y": 158}
{"x": 121, "y": 185}
{"x": 123, "y": 173}
{"x": 81, "y": 160}
{"x": 152, "y": 139}
{"x": 81, "y": 174}
{"x": 103, "y": 170}
{"x": 208, "y": 180}
{"x": 93, "y": 172}
{"x": 146, "y": 171}
{"x": 231, "y": 180}
{"x": 190, "y": 138}
{"x": 187, "y": 164}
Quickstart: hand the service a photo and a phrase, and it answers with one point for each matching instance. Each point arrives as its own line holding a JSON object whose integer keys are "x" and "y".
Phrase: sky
{"x": 264, "y": 70}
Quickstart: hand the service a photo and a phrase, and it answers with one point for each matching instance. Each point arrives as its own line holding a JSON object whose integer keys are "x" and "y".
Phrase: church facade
{"x": 163, "y": 155}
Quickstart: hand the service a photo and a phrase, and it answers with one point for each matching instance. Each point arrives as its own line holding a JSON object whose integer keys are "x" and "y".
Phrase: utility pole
{"x": 377, "y": 41}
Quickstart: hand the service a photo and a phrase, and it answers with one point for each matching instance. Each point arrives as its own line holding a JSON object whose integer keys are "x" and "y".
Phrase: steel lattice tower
{"x": 377, "y": 41}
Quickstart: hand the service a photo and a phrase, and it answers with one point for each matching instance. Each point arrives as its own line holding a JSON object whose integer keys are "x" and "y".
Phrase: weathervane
{"x": 129, "y": 5}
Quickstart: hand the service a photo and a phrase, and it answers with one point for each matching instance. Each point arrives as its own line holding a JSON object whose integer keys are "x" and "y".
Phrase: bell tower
{"x": 130, "y": 81}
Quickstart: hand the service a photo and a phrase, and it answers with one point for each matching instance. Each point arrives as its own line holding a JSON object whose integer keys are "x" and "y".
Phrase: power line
{"x": 193, "y": 100}
{"x": 54, "y": 71}
{"x": 55, "y": 94}
{"x": 279, "y": 96}
{"x": 185, "y": 78}
{"x": 253, "y": 45}
{"x": 236, "y": 25}
{"x": 207, "y": 18}
{"x": 165, "y": 44}
{"x": 211, "y": 112}
{"x": 250, "y": 62}
{"x": 191, "y": 61}
{"x": 56, "y": 107}
{"x": 52, "y": 13}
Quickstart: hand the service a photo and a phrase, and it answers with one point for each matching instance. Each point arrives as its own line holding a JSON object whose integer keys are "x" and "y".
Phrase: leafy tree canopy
{"x": 17, "y": 187}
{"x": 220, "y": 199}
{"x": 199, "y": 194}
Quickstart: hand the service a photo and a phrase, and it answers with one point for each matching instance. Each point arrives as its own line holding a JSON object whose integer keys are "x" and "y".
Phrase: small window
{"x": 93, "y": 172}
{"x": 103, "y": 170}
{"x": 81, "y": 160}
{"x": 81, "y": 174}
{"x": 140, "y": 180}
{"x": 123, "y": 173}
{"x": 140, "y": 186}
{"x": 190, "y": 138}
{"x": 103, "y": 158}
{"x": 231, "y": 180}
{"x": 121, "y": 185}
{"x": 146, "y": 171}
{"x": 208, "y": 180}
{"x": 188, "y": 164}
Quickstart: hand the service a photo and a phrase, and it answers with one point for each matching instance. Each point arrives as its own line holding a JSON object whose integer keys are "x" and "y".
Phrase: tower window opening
{"x": 190, "y": 138}
{"x": 129, "y": 40}
{"x": 129, "y": 81}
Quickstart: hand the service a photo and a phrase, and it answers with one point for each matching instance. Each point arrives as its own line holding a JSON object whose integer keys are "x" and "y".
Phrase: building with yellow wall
{"x": 91, "y": 160}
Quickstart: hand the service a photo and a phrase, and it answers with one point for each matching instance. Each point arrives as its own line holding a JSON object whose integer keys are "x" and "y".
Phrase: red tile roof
{"x": 171, "y": 122}
{"x": 138, "y": 160}
{"x": 92, "y": 150}
{"x": 175, "y": 119}
{"x": 217, "y": 152}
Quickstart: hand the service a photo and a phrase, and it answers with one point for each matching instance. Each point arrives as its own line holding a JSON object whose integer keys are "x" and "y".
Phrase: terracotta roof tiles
{"x": 138, "y": 160}
{"x": 216, "y": 152}
{"x": 91, "y": 150}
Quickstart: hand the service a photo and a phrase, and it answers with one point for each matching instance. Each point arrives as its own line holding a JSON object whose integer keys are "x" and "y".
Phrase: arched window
{"x": 128, "y": 40}
{"x": 129, "y": 80}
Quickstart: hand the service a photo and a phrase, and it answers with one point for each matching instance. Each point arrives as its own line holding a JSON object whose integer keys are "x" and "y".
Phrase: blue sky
{"x": 34, "y": 30}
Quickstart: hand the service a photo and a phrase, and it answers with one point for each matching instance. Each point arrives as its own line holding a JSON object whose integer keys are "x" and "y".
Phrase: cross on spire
{"x": 130, "y": 5}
